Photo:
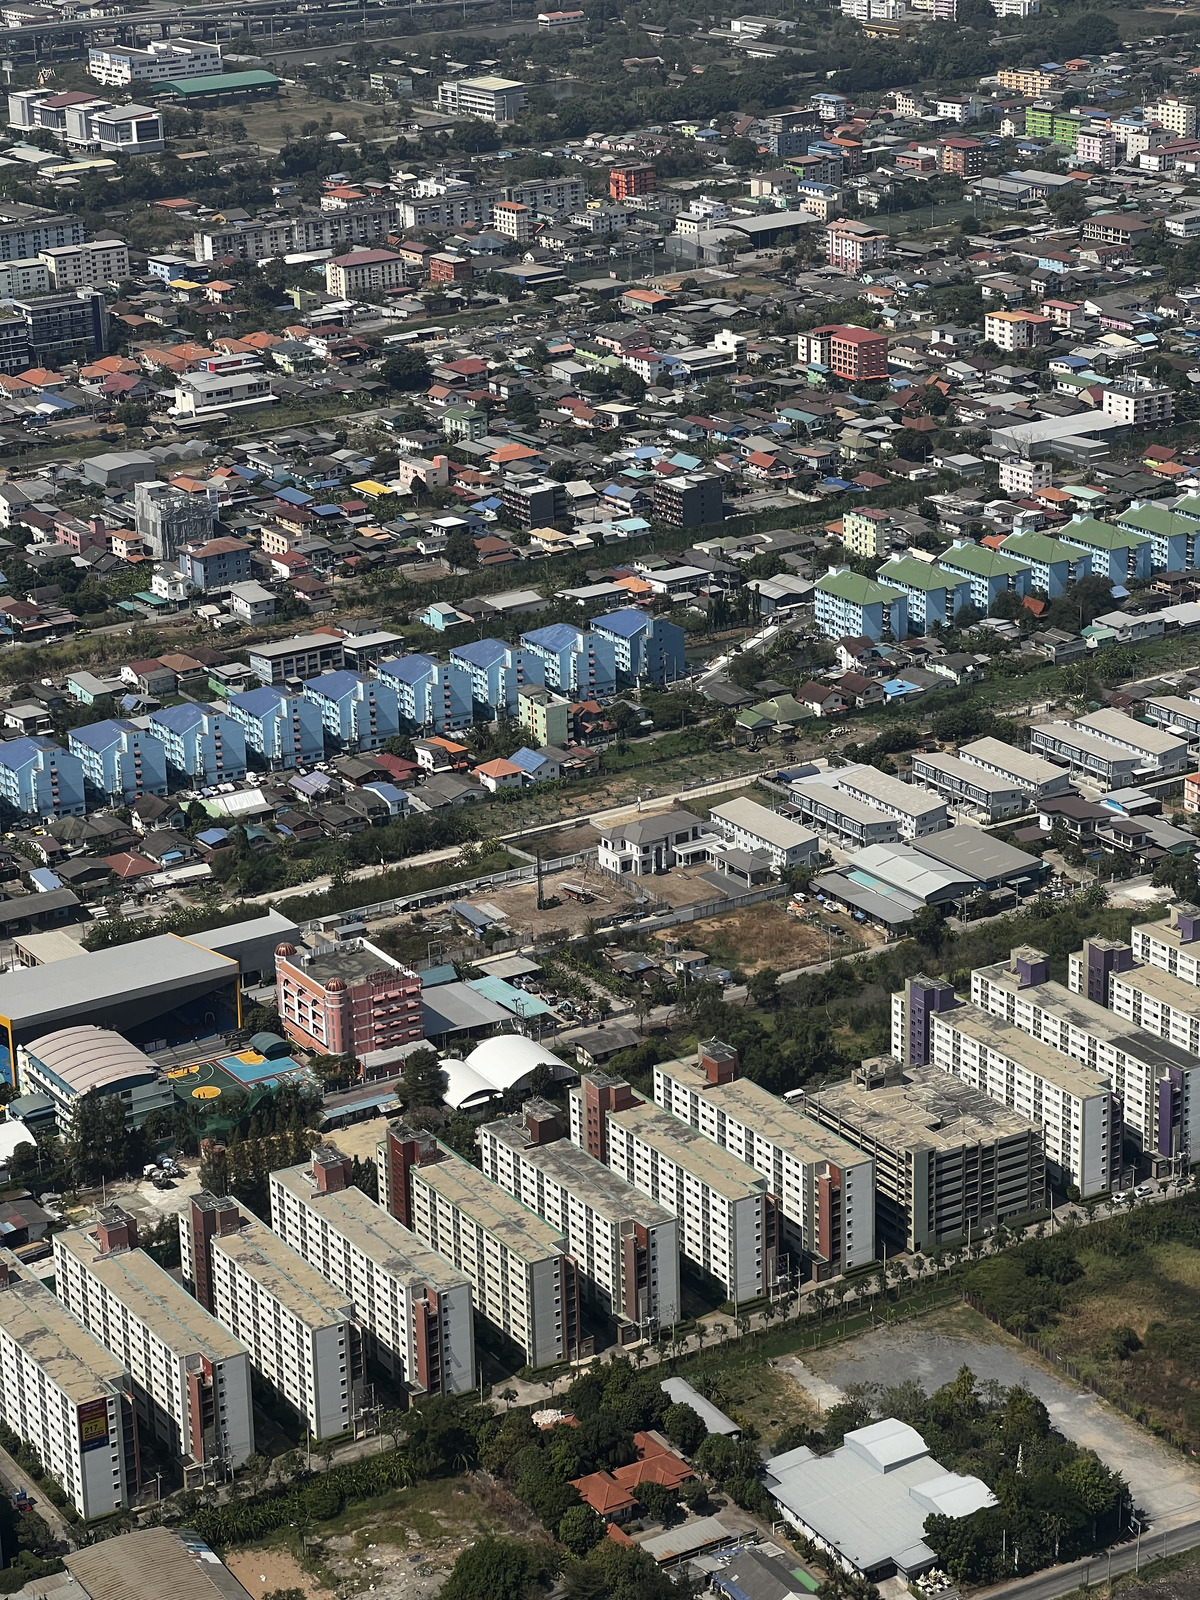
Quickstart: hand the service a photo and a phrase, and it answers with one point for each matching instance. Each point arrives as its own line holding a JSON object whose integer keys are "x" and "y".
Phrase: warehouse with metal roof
{"x": 77, "y": 1061}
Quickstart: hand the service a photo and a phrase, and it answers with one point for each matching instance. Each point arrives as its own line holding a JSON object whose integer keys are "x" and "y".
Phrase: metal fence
{"x": 710, "y": 908}
{"x": 444, "y": 894}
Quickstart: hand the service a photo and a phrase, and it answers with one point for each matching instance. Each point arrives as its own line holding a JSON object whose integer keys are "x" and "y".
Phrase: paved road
{"x": 1098, "y": 1569}
{"x": 13, "y": 1477}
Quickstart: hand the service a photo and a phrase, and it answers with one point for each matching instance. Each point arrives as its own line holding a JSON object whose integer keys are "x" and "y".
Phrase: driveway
{"x": 1161, "y": 1481}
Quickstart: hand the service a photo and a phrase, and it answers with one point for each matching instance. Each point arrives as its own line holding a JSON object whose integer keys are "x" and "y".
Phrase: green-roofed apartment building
{"x": 935, "y": 597}
{"x": 1052, "y": 564}
{"x": 1174, "y": 539}
{"x": 847, "y": 605}
{"x": 990, "y": 573}
{"x": 1117, "y": 553}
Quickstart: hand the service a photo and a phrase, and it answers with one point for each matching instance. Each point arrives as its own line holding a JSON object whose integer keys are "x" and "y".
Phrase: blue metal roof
{"x": 625, "y": 623}
{"x": 334, "y": 685}
{"x": 528, "y": 760}
{"x": 258, "y": 702}
{"x": 101, "y": 735}
{"x": 409, "y": 669}
{"x": 19, "y": 752}
{"x": 179, "y": 719}
{"x": 558, "y": 636}
{"x": 480, "y": 652}
{"x": 294, "y": 497}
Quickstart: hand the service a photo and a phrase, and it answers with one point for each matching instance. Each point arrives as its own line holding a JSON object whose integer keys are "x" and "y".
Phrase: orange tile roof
{"x": 603, "y": 1493}
{"x": 513, "y": 452}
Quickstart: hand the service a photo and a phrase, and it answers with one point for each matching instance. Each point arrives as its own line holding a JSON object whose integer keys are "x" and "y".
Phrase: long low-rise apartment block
{"x": 626, "y": 1244}
{"x": 414, "y": 1309}
{"x": 726, "y": 1224}
{"x": 948, "y": 1158}
{"x": 1039, "y": 778}
{"x": 821, "y": 1187}
{"x": 842, "y": 818}
{"x": 524, "y": 1280}
{"x": 1075, "y": 1106}
{"x": 1170, "y": 711}
{"x": 1156, "y": 1082}
{"x": 917, "y": 811}
{"x": 963, "y": 784}
{"x": 1173, "y": 944}
{"x": 65, "y": 1395}
{"x": 191, "y": 1376}
{"x": 300, "y": 1332}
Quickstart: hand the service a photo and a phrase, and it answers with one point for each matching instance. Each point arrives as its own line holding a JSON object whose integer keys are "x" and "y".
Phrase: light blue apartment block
{"x": 498, "y": 671}
{"x": 934, "y": 597}
{"x": 644, "y": 647}
{"x": 1174, "y": 539}
{"x": 40, "y": 779}
{"x": 991, "y": 574}
{"x": 357, "y": 713}
{"x": 1118, "y": 554}
{"x": 575, "y": 663}
{"x": 430, "y": 694}
{"x": 1052, "y": 564}
{"x": 120, "y": 760}
{"x": 848, "y": 606}
{"x": 284, "y": 729}
{"x": 202, "y": 745}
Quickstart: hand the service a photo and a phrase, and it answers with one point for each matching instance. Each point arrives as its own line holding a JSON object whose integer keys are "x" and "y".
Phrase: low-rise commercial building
{"x": 413, "y": 1307}
{"x": 69, "y": 1063}
{"x": 65, "y": 1395}
{"x": 300, "y": 1332}
{"x": 725, "y": 1226}
{"x": 626, "y": 1244}
{"x": 948, "y": 1159}
{"x": 191, "y": 1377}
{"x": 490, "y": 98}
{"x": 821, "y": 1187}
{"x": 523, "y": 1277}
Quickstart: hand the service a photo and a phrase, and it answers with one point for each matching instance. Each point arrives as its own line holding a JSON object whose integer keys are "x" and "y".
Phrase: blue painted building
{"x": 1052, "y": 564}
{"x": 580, "y": 664}
{"x": 203, "y": 746}
{"x": 1174, "y": 540}
{"x": 120, "y": 760}
{"x": 1117, "y": 553}
{"x": 430, "y": 694}
{"x": 847, "y": 605}
{"x": 357, "y": 713}
{"x": 644, "y": 647}
{"x": 284, "y": 729}
{"x": 990, "y": 573}
{"x": 40, "y": 779}
{"x": 498, "y": 671}
{"x": 934, "y": 597}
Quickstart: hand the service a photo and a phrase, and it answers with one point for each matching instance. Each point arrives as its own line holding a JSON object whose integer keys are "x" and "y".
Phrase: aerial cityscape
{"x": 675, "y": 1069}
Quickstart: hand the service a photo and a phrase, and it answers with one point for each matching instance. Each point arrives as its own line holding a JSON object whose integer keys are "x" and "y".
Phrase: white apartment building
{"x": 85, "y": 266}
{"x": 299, "y": 1331}
{"x": 1158, "y": 751}
{"x": 1020, "y": 478}
{"x": 719, "y": 1201}
{"x": 20, "y": 279}
{"x": 1038, "y": 778}
{"x": 757, "y": 830}
{"x": 1179, "y": 116}
{"x": 841, "y": 817}
{"x": 207, "y": 396}
{"x": 823, "y": 1188}
{"x": 1156, "y": 1082}
{"x": 557, "y": 195}
{"x": 1017, "y": 8}
{"x": 493, "y": 99}
{"x": 626, "y": 1245}
{"x": 1138, "y": 402}
{"x": 917, "y": 811}
{"x": 116, "y": 65}
{"x": 1074, "y": 1105}
{"x": 359, "y": 270}
{"x": 191, "y": 1377}
{"x": 65, "y": 1395}
{"x": 414, "y": 1308}
{"x": 513, "y": 220}
{"x": 522, "y": 1275}
{"x": 1172, "y": 945}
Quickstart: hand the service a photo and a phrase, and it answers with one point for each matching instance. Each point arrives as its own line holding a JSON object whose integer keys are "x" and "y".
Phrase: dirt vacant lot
{"x": 766, "y": 936}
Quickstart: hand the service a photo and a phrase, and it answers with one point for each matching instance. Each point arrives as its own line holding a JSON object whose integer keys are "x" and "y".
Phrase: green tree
{"x": 684, "y": 1426}
{"x": 658, "y": 1502}
{"x": 99, "y": 1143}
{"x": 405, "y": 369}
{"x": 580, "y": 1530}
{"x": 492, "y": 1569}
{"x": 460, "y": 549}
{"x": 422, "y": 1081}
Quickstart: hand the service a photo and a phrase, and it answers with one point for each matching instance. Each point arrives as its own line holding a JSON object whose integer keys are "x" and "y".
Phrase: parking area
{"x": 1163, "y": 1483}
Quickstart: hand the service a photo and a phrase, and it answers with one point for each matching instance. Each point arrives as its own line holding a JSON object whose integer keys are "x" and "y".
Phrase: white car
{"x": 1144, "y": 1189}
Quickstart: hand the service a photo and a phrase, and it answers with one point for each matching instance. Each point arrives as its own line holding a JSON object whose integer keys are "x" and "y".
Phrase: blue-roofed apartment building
{"x": 203, "y": 745}
{"x": 1174, "y": 540}
{"x": 580, "y": 664}
{"x": 120, "y": 760}
{"x": 1118, "y": 554}
{"x": 284, "y": 729}
{"x": 40, "y": 779}
{"x": 644, "y": 647}
{"x": 357, "y": 713}
{"x": 498, "y": 671}
{"x": 430, "y": 694}
{"x": 1052, "y": 564}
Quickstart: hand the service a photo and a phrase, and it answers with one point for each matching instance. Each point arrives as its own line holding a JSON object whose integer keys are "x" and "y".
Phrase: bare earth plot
{"x": 931, "y": 1350}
